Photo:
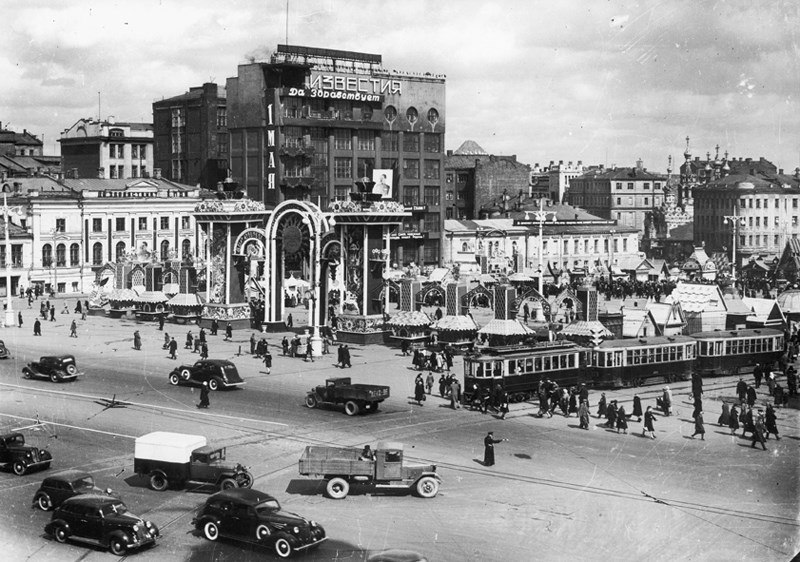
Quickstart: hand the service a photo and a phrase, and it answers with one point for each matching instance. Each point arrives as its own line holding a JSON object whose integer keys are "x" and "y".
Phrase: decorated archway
{"x": 431, "y": 295}
{"x": 479, "y": 296}
{"x": 533, "y": 296}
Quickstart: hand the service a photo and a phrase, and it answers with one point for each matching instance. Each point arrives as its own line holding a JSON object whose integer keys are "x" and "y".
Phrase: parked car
{"x": 355, "y": 397}
{"x": 177, "y": 458}
{"x": 60, "y": 487}
{"x": 20, "y": 456}
{"x": 101, "y": 521}
{"x": 218, "y": 373}
{"x": 255, "y": 517}
{"x": 4, "y": 353}
{"x": 57, "y": 368}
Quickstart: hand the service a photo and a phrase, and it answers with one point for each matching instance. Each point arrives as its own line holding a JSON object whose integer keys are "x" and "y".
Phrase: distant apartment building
{"x": 190, "y": 134}
{"x": 19, "y": 144}
{"x": 107, "y": 149}
{"x": 560, "y": 178}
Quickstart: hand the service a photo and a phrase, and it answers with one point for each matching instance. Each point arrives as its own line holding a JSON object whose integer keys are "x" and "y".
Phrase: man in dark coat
{"x": 751, "y": 396}
{"x": 37, "y": 328}
{"x": 253, "y": 345}
{"x": 214, "y": 327}
{"x": 137, "y": 340}
{"x": 759, "y": 429}
{"x": 697, "y": 385}
{"x": 228, "y": 332}
{"x": 346, "y": 357}
{"x": 204, "y": 402}
{"x": 204, "y": 350}
{"x": 53, "y": 314}
{"x": 19, "y": 320}
{"x": 160, "y": 321}
{"x": 488, "y": 448}
{"x": 699, "y": 427}
{"x": 173, "y": 348}
{"x": 758, "y": 374}
{"x": 741, "y": 390}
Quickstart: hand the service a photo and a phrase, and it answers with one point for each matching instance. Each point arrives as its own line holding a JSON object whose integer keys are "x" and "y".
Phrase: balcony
{"x": 297, "y": 150}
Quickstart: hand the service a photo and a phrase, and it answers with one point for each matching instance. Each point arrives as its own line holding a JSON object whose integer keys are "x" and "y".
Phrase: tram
{"x": 737, "y": 351}
{"x": 629, "y": 362}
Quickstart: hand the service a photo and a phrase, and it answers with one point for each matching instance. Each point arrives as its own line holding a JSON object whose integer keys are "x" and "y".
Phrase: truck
{"x": 167, "y": 458}
{"x": 341, "y": 466}
{"x": 355, "y": 397}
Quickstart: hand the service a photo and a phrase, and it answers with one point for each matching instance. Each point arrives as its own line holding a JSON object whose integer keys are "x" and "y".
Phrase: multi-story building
{"x": 78, "y": 226}
{"x": 318, "y": 124}
{"x": 540, "y": 183}
{"x": 766, "y": 205}
{"x": 476, "y": 180}
{"x": 19, "y": 144}
{"x": 560, "y": 178}
{"x": 626, "y": 195}
{"x": 107, "y": 149}
{"x": 190, "y": 135}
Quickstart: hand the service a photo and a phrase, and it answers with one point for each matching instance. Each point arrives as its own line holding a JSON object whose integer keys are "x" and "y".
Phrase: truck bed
{"x": 319, "y": 461}
{"x": 366, "y": 392}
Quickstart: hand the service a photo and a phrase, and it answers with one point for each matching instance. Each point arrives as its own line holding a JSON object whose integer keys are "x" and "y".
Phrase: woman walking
{"x": 622, "y": 420}
{"x": 733, "y": 420}
{"x": 419, "y": 390}
{"x": 649, "y": 418}
{"x": 601, "y": 406}
{"x": 637, "y": 407}
{"x": 771, "y": 423}
{"x": 699, "y": 429}
{"x": 583, "y": 414}
{"x": 725, "y": 417}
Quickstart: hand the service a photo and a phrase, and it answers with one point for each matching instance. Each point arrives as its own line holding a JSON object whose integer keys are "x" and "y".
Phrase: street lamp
{"x": 541, "y": 217}
{"x": 734, "y": 221}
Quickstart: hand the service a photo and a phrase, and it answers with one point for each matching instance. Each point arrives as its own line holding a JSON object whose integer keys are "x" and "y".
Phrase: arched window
{"x": 186, "y": 249}
{"x": 164, "y": 250}
{"x": 412, "y": 115}
{"x": 433, "y": 116}
{"x": 390, "y": 113}
{"x": 120, "y": 251}
{"x": 47, "y": 255}
{"x": 464, "y": 247}
{"x": 97, "y": 254}
{"x": 74, "y": 254}
{"x": 61, "y": 255}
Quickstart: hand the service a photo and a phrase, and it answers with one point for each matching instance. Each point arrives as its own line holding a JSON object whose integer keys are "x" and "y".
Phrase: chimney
{"x": 560, "y": 162}
{"x": 450, "y": 152}
{"x": 569, "y": 163}
{"x": 73, "y": 173}
{"x": 551, "y": 162}
{"x": 780, "y": 171}
{"x": 101, "y": 173}
{"x": 157, "y": 173}
{"x": 4, "y": 173}
{"x": 580, "y": 163}
{"x": 639, "y": 164}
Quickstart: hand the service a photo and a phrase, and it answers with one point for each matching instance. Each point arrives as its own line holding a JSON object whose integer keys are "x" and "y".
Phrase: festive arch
{"x": 476, "y": 296}
{"x": 250, "y": 242}
{"x": 532, "y": 295}
{"x": 429, "y": 295}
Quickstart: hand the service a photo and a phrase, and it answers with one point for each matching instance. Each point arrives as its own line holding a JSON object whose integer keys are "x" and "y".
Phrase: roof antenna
{"x": 287, "y": 22}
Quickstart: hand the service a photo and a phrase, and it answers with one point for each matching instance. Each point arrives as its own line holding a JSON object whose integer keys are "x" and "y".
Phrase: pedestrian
{"x": 252, "y": 344}
{"x": 601, "y": 406}
{"x": 404, "y": 345}
{"x": 573, "y": 401}
{"x": 309, "y": 351}
{"x": 429, "y": 382}
{"x": 173, "y": 348}
{"x": 583, "y": 394}
{"x": 53, "y": 314}
{"x": 268, "y": 361}
{"x": 65, "y": 310}
{"x": 748, "y": 424}
{"x": 455, "y": 394}
{"x": 583, "y": 414}
{"x": 137, "y": 341}
{"x": 160, "y": 321}
{"x": 285, "y": 346}
{"x": 697, "y": 385}
{"x": 228, "y": 332}
{"x": 73, "y": 329}
{"x": 759, "y": 429}
{"x": 503, "y": 405}
{"x": 637, "y": 407}
{"x": 699, "y": 428}
{"x": 771, "y": 382}
{"x": 442, "y": 385}
{"x": 78, "y": 307}
{"x": 448, "y": 359}
{"x": 419, "y": 390}
{"x": 189, "y": 341}
{"x": 733, "y": 420}
{"x": 611, "y": 414}
{"x": 214, "y": 326}
{"x": 622, "y": 420}
{"x": 204, "y": 351}
{"x": 741, "y": 390}
{"x": 725, "y": 417}
{"x": 19, "y": 319}
{"x": 751, "y": 396}
{"x": 666, "y": 401}
{"x": 698, "y": 406}
{"x": 649, "y": 418}
{"x": 166, "y": 341}
{"x": 780, "y": 397}
{"x": 37, "y": 328}
{"x": 488, "y": 448}
{"x": 758, "y": 374}
{"x": 83, "y": 313}
{"x": 791, "y": 380}
{"x": 289, "y": 321}
{"x": 85, "y": 306}
{"x": 202, "y": 335}
{"x": 771, "y": 423}
{"x": 346, "y": 356}
{"x": 204, "y": 402}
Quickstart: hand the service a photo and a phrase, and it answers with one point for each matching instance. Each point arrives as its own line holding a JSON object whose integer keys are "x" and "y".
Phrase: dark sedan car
{"x": 58, "y": 488}
{"x": 57, "y": 368}
{"x": 218, "y": 373}
{"x": 255, "y": 517}
{"x": 101, "y": 521}
{"x": 4, "y": 353}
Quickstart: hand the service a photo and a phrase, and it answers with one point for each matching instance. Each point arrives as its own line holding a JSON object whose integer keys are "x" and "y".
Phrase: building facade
{"x": 317, "y": 124}
{"x": 190, "y": 136}
{"x": 107, "y": 150}
{"x": 560, "y": 178}
{"x": 626, "y": 195}
{"x": 19, "y": 144}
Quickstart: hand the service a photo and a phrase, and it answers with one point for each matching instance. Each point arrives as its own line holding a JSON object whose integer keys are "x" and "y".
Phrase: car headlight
{"x": 136, "y": 528}
{"x": 148, "y": 524}
{"x": 109, "y": 491}
{"x": 313, "y": 523}
{"x": 296, "y": 530}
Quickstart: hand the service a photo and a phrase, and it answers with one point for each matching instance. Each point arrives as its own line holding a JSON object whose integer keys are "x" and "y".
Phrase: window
{"x": 185, "y": 223}
{"x": 164, "y": 250}
{"x": 134, "y": 171}
{"x": 222, "y": 117}
{"x": 431, "y": 222}
{"x": 412, "y": 115}
{"x": 97, "y": 253}
{"x": 433, "y": 116}
{"x": 433, "y": 143}
{"x": 142, "y": 223}
{"x": 448, "y": 195}
{"x": 177, "y": 117}
{"x": 462, "y": 177}
{"x": 411, "y": 195}
{"x": 164, "y": 223}
{"x": 366, "y": 140}
{"x": 411, "y": 142}
{"x": 390, "y": 141}
{"x": 61, "y": 255}
{"x": 120, "y": 251}
{"x": 596, "y": 246}
{"x": 619, "y": 185}
{"x": 74, "y": 254}
{"x": 47, "y": 255}
{"x": 119, "y": 224}
{"x": 411, "y": 169}
{"x": 619, "y": 201}
{"x": 343, "y": 168}
{"x": 186, "y": 249}
{"x": 342, "y": 139}
{"x": 794, "y": 202}
{"x": 390, "y": 113}
{"x": 431, "y": 251}
{"x": 646, "y": 185}
{"x": 758, "y": 203}
{"x": 657, "y": 185}
{"x": 116, "y": 133}
{"x": 646, "y": 201}
{"x": 16, "y": 255}
{"x": 431, "y": 169}
{"x": 432, "y": 195}
{"x": 630, "y": 185}
{"x": 61, "y": 225}
{"x": 624, "y": 244}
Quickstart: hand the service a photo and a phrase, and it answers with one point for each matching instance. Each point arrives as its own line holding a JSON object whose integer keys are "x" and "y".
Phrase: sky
{"x": 604, "y": 82}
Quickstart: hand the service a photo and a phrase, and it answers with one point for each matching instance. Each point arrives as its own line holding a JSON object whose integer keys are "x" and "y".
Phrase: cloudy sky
{"x": 598, "y": 81}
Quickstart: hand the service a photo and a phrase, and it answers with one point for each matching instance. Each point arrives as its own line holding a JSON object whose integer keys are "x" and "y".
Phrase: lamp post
{"x": 10, "y": 319}
{"x": 317, "y": 222}
{"x": 734, "y": 221}
{"x": 541, "y": 217}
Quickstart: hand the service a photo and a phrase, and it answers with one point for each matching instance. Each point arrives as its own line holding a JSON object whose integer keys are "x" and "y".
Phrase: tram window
{"x": 512, "y": 367}
{"x": 689, "y": 351}
{"x": 479, "y": 370}
{"x": 571, "y": 359}
{"x": 657, "y": 357}
{"x": 679, "y": 352}
{"x": 629, "y": 356}
{"x": 528, "y": 365}
{"x": 563, "y": 361}
{"x": 547, "y": 366}
{"x": 671, "y": 353}
{"x": 728, "y": 347}
{"x": 498, "y": 368}
{"x": 537, "y": 363}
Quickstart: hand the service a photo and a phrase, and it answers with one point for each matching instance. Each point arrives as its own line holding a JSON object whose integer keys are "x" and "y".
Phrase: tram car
{"x": 634, "y": 362}
{"x": 736, "y": 352}
{"x": 518, "y": 369}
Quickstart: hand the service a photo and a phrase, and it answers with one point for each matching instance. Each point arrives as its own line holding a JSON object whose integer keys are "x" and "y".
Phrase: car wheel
{"x": 60, "y": 534}
{"x": 44, "y": 502}
{"x": 213, "y": 384}
{"x": 283, "y": 548}
{"x": 262, "y": 532}
{"x": 337, "y": 488}
{"x": 211, "y": 531}
{"x": 311, "y": 401}
{"x": 53, "y": 377}
{"x": 158, "y": 482}
{"x": 72, "y": 370}
{"x": 351, "y": 408}
{"x": 116, "y": 546}
{"x": 247, "y": 480}
{"x": 228, "y": 484}
{"x": 185, "y": 374}
{"x": 173, "y": 379}
{"x": 19, "y": 468}
{"x": 427, "y": 487}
